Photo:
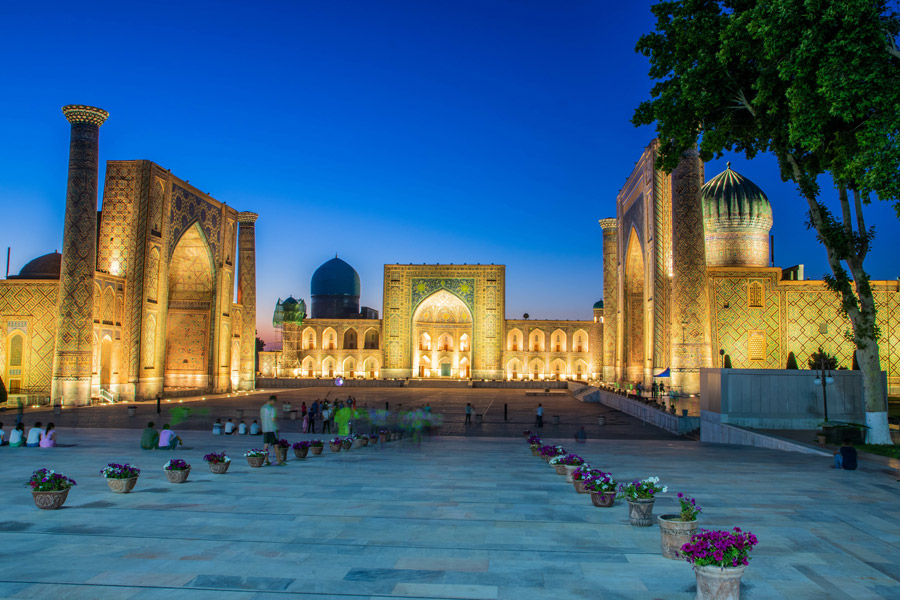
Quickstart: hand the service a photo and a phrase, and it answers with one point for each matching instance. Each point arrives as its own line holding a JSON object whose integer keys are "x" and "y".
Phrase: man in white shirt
{"x": 229, "y": 427}
{"x": 242, "y": 428}
{"x": 34, "y": 436}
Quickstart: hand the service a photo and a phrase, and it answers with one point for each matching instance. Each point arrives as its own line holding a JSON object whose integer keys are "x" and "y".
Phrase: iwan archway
{"x": 443, "y": 318}
{"x": 189, "y": 313}
{"x": 635, "y": 326}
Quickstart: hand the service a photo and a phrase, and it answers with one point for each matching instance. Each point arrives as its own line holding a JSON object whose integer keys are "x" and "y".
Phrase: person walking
{"x": 326, "y": 418}
{"x": 268, "y": 417}
{"x": 539, "y": 416}
{"x": 468, "y": 413}
{"x": 313, "y": 413}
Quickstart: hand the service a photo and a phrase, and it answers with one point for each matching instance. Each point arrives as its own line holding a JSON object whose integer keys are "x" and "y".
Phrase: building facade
{"x": 141, "y": 300}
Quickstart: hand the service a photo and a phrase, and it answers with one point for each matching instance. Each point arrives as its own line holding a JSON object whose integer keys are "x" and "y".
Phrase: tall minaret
{"x": 247, "y": 298}
{"x": 610, "y": 295}
{"x": 690, "y": 333}
{"x": 71, "y": 384}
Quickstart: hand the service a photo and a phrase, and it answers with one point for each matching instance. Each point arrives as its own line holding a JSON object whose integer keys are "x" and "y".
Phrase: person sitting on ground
{"x": 48, "y": 436}
{"x": 150, "y": 437}
{"x": 581, "y": 435}
{"x": 34, "y": 436}
{"x": 229, "y": 427}
{"x": 2, "y": 441}
{"x": 17, "y": 436}
{"x": 217, "y": 427}
{"x": 242, "y": 428}
{"x": 168, "y": 440}
{"x": 254, "y": 428}
{"x": 845, "y": 457}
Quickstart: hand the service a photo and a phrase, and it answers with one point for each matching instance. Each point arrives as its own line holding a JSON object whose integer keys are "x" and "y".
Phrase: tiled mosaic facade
{"x": 755, "y": 314}
{"x": 158, "y": 288}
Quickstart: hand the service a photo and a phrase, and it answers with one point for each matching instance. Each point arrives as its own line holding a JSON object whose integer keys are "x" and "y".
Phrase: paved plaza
{"x": 459, "y": 517}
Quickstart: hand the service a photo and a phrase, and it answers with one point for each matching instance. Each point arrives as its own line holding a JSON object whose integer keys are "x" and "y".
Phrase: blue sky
{"x": 388, "y": 131}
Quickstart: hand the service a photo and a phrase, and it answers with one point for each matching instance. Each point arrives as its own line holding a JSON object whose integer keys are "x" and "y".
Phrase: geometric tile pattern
{"x": 29, "y": 307}
{"x": 662, "y": 243}
{"x": 247, "y": 297}
{"x": 734, "y": 318}
{"x": 610, "y": 295}
{"x": 187, "y": 208}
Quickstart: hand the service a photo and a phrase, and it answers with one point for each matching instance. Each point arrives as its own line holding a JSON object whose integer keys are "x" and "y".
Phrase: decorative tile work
{"x": 186, "y": 337}
{"x": 187, "y": 208}
{"x": 734, "y": 318}
{"x": 29, "y": 307}
{"x": 247, "y": 297}
{"x": 662, "y": 246}
{"x": 610, "y": 295}
{"x": 464, "y": 289}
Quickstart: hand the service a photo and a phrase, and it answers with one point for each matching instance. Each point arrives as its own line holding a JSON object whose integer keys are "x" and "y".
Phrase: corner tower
{"x": 72, "y": 361}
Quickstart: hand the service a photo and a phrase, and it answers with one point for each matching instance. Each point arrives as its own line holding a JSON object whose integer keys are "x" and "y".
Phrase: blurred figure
{"x": 581, "y": 435}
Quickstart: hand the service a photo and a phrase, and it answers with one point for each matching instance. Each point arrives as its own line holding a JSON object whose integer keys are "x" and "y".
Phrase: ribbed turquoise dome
{"x": 731, "y": 199}
{"x": 598, "y": 304}
{"x": 335, "y": 278}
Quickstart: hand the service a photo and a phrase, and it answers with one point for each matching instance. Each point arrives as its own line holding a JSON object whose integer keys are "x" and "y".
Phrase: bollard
{"x": 479, "y": 419}
{"x": 132, "y": 410}
{"x": 505, "y": 412}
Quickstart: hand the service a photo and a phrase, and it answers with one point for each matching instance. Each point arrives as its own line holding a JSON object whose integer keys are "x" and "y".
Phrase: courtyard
{"x": 469, "y": 515}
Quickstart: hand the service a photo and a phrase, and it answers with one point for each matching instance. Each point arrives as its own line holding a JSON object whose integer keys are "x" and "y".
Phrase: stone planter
{"x": 363, "y": 441}
{"x": 256, "y": 461}
{"x": 335, "y": 447}
{"x": 640, "y": 511}
{"x": 177, "y": 475}
{"x": 301, "y": 452}
{"x": 603, "y": 499}
{"x": 121, "y": 486}
{"x": 219, "y": 468}
{"x": 50, "y": 500}
{"x": 719, "y": 583}
{"x": 534, "y": 450}
{"x": 382, "y": 437}
{"x": 569, "y": 470}
{"x": 674, "y": 533}
{"x": 347, "y": 444}
{"x": 316, "y": 450}
{"x": 560, "y": 469}
{"x": 579, "y": 486}
{"x": 280, "y": 454}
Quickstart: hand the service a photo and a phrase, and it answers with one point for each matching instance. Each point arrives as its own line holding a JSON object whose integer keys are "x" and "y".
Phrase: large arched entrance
{"x": 191, "y": 294}
{"x": 634, "y": 310}
{"x": 443, "y": 317}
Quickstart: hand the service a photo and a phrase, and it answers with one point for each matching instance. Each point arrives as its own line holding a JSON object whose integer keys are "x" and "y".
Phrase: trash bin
{"x": 293, "y": 414}
{"x": 132, "y": 410}
{"x": 556, "y": 419}
{"x": 57, "y": 409}
{"x": 479, "y": 418}
{"x": 240, "y": 413}
{"x": 601, "y": 420}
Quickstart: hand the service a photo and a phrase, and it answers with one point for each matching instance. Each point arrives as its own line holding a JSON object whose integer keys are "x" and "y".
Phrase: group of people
{"x": 38, "y": 436}
{"x": 166, "y": 439}
{"x": 229, "y": 428}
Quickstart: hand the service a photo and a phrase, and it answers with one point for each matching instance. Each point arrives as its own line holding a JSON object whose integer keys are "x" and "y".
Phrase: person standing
{"x": 326, "y": 418}
{"x": 268, "y": 417}
{"x": 539, "y": 416}
{"x": 468, "y": 413}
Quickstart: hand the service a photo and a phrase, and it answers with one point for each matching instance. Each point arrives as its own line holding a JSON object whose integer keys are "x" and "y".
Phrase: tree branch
{"x": 861, "y": 226}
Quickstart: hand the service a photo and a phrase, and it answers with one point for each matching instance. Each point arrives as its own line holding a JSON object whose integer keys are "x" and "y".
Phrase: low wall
{"x": 284, "y": 383}
{"x": 647, "y": 414}
{"x": 714, "y": 431}
{"x": 780, "y": 399}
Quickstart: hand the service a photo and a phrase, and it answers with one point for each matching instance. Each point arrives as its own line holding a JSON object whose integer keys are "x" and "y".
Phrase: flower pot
{"x": 121, "y": 486}
{"x": 256, "y": 461}
{"x": 301, "y": 452}
{"x": 674, "y": 533}
{"x": 335, "y": 447}
{"x": 821, "y": 439}
{"x": 640, "y": 511}
{"x": 579, "y": 486}
{"x": 177, "y": 475}
{"x": 219, "y": 468}
{"x": 363, "y": 441}
{"x": 603, "y": 499}
{"x": 560, "y": 469}
{"x": 719, "y": 583}
{"x": 534, "y": 451}
{"x": 316, "y": 450}
{"x": 280, "y": 454}
{"x": 50, "y": 500}
{"x": 569, "y": 470}
{"x": 347, "y": 444}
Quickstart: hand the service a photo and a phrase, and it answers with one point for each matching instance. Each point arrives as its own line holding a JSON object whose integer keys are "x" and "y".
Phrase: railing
{"x": 108, "y": 396}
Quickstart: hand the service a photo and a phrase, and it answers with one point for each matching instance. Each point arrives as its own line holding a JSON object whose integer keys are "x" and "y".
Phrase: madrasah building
{"x": 141, "y": 300}
{"x": 688, "y": 278}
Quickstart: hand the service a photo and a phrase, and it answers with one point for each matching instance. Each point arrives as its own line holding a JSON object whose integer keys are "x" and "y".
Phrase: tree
{"x": 727, "y": 362}
{"x": 816, "y": 358}
{"x": 792, "y": 362}
{"x": 818, "y": 85}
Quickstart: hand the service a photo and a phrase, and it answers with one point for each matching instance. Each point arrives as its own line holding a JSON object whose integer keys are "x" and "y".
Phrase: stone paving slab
{"x": 468, "y": 518}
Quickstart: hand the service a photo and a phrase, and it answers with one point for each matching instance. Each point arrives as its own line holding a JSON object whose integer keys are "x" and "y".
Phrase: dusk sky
{"x": 382, "y": 131}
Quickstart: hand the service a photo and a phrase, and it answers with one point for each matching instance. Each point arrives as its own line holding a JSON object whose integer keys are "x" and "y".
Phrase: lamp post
{"x": 722, "y": 354}
{"x": 823, "y": 378}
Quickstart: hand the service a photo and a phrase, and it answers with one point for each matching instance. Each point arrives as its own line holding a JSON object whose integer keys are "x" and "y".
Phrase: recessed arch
{"x": 536, "y": 340}
{"x": 558, "y": 340}
{"x": 371, "y": 339}
{"x": 514, "y": 369}
{"x": 308, "y": 367}
{"x": 536, "y": 368}
{"x": 309, "y": 339}
{"x": 350, "y": 339}
{"x": 514, "y": 340}
{"x": 329, "y": 339}
{"x": 580, "y": 341}
{"x": 634, "y": 324}
{"x": 558, "y": 370}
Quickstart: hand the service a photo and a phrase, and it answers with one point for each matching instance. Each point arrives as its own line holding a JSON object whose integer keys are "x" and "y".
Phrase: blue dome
{"x": 598, "y": 304}
{"x": 335, "y": 278}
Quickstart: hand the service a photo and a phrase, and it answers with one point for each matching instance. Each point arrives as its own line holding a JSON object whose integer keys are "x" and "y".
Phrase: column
{"x": 690, "y": 333}
{"x": 247, "y": 298}
{"x": 610, "y": 295}
{"x": 71, "y": 383}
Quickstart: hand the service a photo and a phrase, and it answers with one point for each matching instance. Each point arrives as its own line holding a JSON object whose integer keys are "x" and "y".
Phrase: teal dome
{"x": 598, "y": 304}
{"x": 335, "y": 278}
{"x": 729, "y": 199}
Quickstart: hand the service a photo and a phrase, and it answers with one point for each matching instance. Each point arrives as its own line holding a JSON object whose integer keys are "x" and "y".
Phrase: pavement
{"x": 457, "y": 517}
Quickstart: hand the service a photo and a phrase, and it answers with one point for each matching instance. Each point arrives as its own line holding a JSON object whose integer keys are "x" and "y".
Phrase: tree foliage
{"x": 792, "y": 362}
{"x": 816, "y": 360}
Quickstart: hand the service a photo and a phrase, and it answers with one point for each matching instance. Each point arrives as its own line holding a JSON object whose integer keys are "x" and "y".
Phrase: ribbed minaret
{"x": 690, "y": 304}
{"x": 610, "y": 295}
{"x": 71, "y": 384}
{"x": 247, "y": 298}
